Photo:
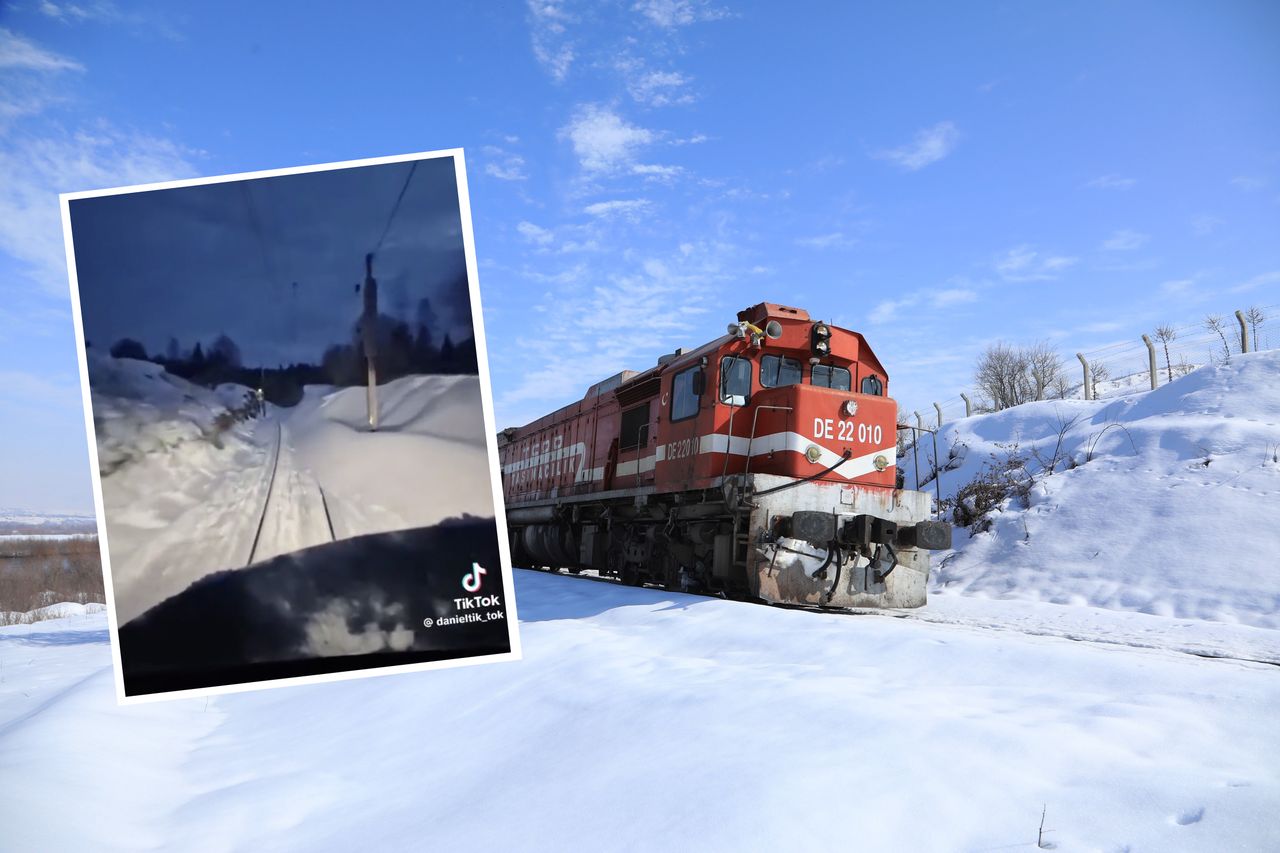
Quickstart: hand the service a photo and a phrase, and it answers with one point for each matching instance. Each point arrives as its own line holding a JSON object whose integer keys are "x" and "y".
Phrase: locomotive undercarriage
{"x": 757, "y": 536}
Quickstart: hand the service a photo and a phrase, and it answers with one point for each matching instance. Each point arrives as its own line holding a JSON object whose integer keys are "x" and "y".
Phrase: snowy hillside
{"x": 1164, "y": 502}
{"x": 648, "y": 720}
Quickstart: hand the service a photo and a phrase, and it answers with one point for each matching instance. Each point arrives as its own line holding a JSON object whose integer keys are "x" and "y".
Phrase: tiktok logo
{"x": 473, "y": 579}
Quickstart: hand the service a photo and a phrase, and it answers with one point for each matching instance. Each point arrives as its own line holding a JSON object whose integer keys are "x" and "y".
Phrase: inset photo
{"x": 296, "y": 463}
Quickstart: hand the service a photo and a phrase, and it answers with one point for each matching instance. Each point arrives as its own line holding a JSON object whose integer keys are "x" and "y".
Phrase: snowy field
{"x": 17, "y": 523}
{"x": 186, "y": 489}
{"x": 642, "y": 719}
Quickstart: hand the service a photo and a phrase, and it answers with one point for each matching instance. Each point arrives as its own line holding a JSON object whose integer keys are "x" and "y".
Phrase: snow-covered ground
{"x": 1130, "y": 694}
{"x": 1172, "y": 507}
{"x": 186, "y": 488}
{"x": 642, "y": 719}
{"x": 23, "y": 523}
{"x": 60, "y": 610}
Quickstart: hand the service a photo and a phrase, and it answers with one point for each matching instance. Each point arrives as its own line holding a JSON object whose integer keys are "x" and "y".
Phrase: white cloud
{"x": 503, "y": 164}
{"x": 835, "y": 239}
{"x": 655, "y": 172}
{"x": 549, "y": 33}
{"x": 696, "y": 139}
{"x": 1257, "y": 281}
{"x": 1248, "y": 183}
{"x": 1111, "y": 182}
{"x": 535, "y": 234}
{"x": 602, "y": 139}
{"x": 929, "y": 146}
{"x": 669, "y": 14}
{"x": 18, "y": 53}
{"x": 630, "y": 208}
{"x": 1025, "y": 263}
{"x": 884, "y": 311}
{"x": 655, "y": 88}
{"x": 33, "y": 170}
{"x": 928, "y": 298}
{"x": 68, "y": 12}
{"x": 954, "y": 296}
{"x": 630, "y": 313}
{"x": 1124, "y": 240}
{"x": 1178, "y": 287}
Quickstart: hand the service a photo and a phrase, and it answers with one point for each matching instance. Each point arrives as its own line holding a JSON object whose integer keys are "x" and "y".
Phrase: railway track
{"x": 290, "y": 487}
{"x": 266, "y": 501}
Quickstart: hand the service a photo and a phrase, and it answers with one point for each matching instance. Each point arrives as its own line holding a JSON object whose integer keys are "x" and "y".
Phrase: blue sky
{"x": 938, "y": 176}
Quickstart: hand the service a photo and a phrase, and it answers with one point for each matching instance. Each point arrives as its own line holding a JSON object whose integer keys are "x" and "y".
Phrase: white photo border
{"x": 486, "y": 396}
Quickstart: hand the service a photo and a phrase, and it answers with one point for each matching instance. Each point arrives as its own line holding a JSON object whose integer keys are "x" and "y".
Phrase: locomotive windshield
{"x": 778, "y": 370}
{"x": 684, "y": 394}
{"x": 830, "y": 376}
{"x": 735, "y": 380}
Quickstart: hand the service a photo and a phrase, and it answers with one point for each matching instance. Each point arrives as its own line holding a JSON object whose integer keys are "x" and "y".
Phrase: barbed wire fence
{"x": 1125, "y": 367}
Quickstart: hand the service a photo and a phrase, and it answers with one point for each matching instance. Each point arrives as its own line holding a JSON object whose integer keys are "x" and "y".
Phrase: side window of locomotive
{"x": 685, "y": 393}
{"x": 635, "y": 428}
{"x": 873, "y": 385}
{"x": 829, "y": 376}
{"x": 735, "y": 380}
{"x": 778, "y": 370}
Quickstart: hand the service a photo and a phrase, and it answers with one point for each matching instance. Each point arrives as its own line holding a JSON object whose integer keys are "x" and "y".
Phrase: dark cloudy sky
{"x": 195, "y": 262}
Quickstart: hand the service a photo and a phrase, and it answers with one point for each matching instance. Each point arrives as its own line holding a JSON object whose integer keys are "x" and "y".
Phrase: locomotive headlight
{"x": 819, "y": 341}
{"x": 849, "y": 408}
{"x": 813, "y": 454}
{"x": 880, "y": 462}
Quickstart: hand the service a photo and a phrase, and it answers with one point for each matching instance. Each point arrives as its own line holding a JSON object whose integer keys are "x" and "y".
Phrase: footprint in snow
{"x": 1186, "y": 817}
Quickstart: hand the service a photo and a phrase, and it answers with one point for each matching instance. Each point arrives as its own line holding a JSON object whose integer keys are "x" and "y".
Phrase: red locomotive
{"x": 759, "y": 465}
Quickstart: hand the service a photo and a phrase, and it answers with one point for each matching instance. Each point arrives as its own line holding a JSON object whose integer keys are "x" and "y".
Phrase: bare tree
{"x": 1043, "y": 367}
{"x": 1002, "y": 376}
{"x": 1165, "y": 334}
{"x": 1213, "y": 323}
{"x": 1255, "y": 318}
{"x": 1061, "y": 388}
{"x": 1098, "y": 372}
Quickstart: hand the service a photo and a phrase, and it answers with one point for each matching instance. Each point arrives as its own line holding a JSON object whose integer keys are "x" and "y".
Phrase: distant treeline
{"x": 49, "y": 571}
{"x": 399, "y": 352}
{"x": 44, "y": 546}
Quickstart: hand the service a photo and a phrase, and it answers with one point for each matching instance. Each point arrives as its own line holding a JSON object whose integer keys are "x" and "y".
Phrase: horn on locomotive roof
{"x": 772, "y": 330}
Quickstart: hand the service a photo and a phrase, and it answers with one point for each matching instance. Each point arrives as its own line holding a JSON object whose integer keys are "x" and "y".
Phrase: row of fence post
{"x": 1088, "y": 384}
{"x": 1153, "y": 367}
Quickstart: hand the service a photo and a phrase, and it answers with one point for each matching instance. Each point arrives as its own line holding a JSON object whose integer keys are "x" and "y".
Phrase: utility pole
{"x": 368, "y": 332}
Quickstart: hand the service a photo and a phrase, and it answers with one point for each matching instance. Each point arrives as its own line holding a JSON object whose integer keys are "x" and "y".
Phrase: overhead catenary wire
{"x": 395, "y": 208}
{"x": 255, "y": 223}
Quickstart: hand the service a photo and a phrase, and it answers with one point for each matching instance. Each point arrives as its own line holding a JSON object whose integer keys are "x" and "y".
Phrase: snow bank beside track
{"x": 428, "y": 461}
{"x": 1165, "y": 502}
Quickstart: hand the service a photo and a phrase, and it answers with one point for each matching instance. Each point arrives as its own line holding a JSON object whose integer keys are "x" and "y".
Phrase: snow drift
{"x": 1164, "y": 502}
